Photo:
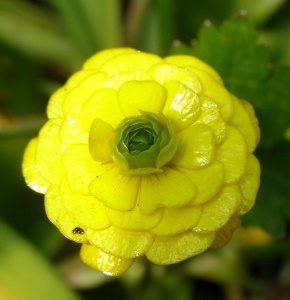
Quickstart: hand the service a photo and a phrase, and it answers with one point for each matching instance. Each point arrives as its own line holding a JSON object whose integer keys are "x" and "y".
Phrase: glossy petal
{"x": 102, "y": 57}
{"x": 172, "y": 249}
{"x": 182, "y": 105}
{"x": 84, "y": 90}
{"x": 116, "y": 190}
{"x": 232, "y": 153}
{"x": 243, "y": 122}
{"x": 168, "y": 189}
{"x": 134, "y": 220}
{"x": 177, "y": 220}
{"x": 187, "y": 61}
{"x": 100, "y": 137}
{"x": 104, "y": 105}
{"x": 219, "y": 210}
{"x": 30, "y": 171}
{"x": 129, "y": 62}
{"x": 213, "y": 174}
{"x": 53, "y": 204}
{"x": 210, "y": 116}
{"x": 163, "y": 73}
{"x": 196, "y": 147}
{"x": 49, "y": 151}
{"x": 216, "y": 91}
{"x": 135, "y": 96}
{"x": 250, "y": 184}
{"x": 122, "y": 243}
{"x": 107, "y": 263}
{"x": 80, "y": 168}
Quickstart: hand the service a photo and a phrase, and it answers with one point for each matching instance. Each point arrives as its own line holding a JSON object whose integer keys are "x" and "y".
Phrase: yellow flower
{"x": 145, "y": 156}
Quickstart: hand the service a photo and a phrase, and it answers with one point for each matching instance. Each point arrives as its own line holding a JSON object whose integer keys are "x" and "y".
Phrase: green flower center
{"x": 144, "y": 143}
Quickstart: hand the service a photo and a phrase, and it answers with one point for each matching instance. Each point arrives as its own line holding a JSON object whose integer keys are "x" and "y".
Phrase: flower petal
{"x": 100, "y": 58}
{"x": 232, "y": 153}
{"x": 250, "y": 184}
{"x": 219, "y": 210}
{"x": 210, "y": 116}
{"x": 49, "y": 151}
{"x": 163, "y": 73}
{"x": 168, "y": 189}
{"x": 30, "y": 170}
{"x": 243, "y": 122}
{"x": 177, "y": 220}
{"x": 216, "y": 91}
{"x": 213, "y": 173}
{"x": 134, "y": 220}
{"x": 104, "y": 105}
{"x": 79, "y": 167}
{"x": 182, "y": 106}
{"x": 186, "y": 61}
{"x": 224, "y": 234}
{"x": 101, "y": 134}
{"x": 53, "y": 203}
{"x": 196, "y": 147}
{"x": 127, "y": 62}
{"x": 122, "y": 243}
{"x": 114, "y": 189}
{"x": 173, "y": 249}
{"x": 84, "y": 90}
{"x": 135, "y": 96}
{"x": 107, "y": 263}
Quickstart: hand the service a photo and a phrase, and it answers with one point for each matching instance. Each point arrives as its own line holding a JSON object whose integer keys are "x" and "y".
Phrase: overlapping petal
{"x": 145, "y": 156}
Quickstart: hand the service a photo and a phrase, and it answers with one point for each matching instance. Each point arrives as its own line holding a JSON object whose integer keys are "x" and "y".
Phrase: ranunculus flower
{"x": 145, "y": 156}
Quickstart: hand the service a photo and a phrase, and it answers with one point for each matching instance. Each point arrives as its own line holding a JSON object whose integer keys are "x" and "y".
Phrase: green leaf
{"x": 272, "y": 208}
{"x": 25, "y": 274}
{"x": 235, "y": 52}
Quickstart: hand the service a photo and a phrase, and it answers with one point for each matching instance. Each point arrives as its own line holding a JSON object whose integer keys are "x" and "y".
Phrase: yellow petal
{"x": 86, "y": 210}
{"x": 250, "y": 184}
{"x": 219, "y": 210}
{"x": 232, "y": 153}
{"x": 101, "y": 57}
{"x": 128, "y": 62}
{"x": 101, "y": 134}
{"x": 107, "y": 263}
{"x": 53, "y": 203}
{"x": 30, "y": 170}
{"x": 163, "y": 73}
{"x": 210, "y": 116}
{"x": 196, "y": 147}
{"x": 213, "y": 174}
{"x": 135, "y": 96}
{"x": 168, "y": 189}
{"x": 243, "y": 122}
{"x": 71, "y": 228}
{"x": 224, "y": 234}
{"x": 173, "y": 249}
{"x": 134, "y": 220}
{"x": 116, "y": 190}
{"x": 104, "y": 105}
{"x": 182, "y": 105}
{"x": 80, "y": 168}
{"x": 116, "y": 81}
{"x": 186, "y": 61}
{"x": 49, "y": 151}
{"x": 119, "y": 242}
{"x": 84, "y": 90}
{"x": 177, "y": 220}
{"x": 216, "y": 91}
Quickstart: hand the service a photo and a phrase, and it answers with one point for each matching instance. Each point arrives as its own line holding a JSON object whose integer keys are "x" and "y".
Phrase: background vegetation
{"x": 42, "y": 42}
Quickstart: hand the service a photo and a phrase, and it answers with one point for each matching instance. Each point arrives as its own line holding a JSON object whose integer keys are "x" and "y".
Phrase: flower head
{"x": 145, "y": 156}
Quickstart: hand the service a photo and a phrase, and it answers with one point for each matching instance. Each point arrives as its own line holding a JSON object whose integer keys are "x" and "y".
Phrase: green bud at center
{"x": 144, "y": 143}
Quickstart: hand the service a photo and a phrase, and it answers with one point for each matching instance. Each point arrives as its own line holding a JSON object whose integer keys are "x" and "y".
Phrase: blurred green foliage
{"x": 42, "y": 42}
